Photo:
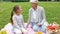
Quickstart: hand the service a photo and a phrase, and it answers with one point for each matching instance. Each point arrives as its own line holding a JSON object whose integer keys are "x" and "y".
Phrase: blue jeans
{"x": 38, "y": 28}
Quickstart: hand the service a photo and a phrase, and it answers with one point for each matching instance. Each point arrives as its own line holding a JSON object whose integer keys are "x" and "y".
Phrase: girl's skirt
{"x": 19, "y": 31}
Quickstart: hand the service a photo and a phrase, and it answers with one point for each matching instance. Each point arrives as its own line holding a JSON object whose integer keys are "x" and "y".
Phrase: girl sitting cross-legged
{"x": 17, "y": 21}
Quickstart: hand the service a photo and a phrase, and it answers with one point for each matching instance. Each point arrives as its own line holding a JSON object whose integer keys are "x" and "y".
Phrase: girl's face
{"x": 19, "y": 10}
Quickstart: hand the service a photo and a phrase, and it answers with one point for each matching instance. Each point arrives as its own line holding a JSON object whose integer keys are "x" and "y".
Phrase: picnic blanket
{"x": 8, "y": 29}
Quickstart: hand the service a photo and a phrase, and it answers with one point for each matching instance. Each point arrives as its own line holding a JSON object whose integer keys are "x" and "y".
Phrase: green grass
{"x": 52, "y": 11}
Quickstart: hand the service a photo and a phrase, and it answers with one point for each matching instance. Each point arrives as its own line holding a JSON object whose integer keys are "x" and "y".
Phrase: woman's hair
{"x": 12, "y": 13}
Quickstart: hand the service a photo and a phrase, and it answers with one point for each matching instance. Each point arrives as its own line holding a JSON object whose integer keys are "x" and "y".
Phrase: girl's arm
{"x": 23, "y": 22}
{"x": 15, "y": 22}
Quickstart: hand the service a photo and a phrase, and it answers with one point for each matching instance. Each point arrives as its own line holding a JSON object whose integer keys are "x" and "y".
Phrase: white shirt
{"x": 40, "y": 15}
{"x": 17, "y": 21}
{"x": 34, "y": 16}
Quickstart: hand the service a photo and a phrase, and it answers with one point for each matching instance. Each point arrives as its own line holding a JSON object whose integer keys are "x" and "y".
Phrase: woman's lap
{"x": 37, "y": 28}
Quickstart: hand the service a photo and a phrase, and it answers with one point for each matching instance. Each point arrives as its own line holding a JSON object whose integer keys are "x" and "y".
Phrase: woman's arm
{"x": 29, "y": 19}
{"x": 43, "y": 15}
{"x": 44, "y": 22}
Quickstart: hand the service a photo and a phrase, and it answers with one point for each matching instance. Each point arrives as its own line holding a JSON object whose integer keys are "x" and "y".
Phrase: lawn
{"x": 52, "y": 11}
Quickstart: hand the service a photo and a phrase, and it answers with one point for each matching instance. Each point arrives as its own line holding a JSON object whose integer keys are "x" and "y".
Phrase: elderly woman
{"x": 37, "y": 17}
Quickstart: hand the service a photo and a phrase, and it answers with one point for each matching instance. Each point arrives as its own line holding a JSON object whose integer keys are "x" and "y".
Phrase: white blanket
{"x": 9, "y": 27}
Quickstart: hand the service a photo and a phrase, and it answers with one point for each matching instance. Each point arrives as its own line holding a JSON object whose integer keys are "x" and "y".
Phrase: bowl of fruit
{"x": 51, "y": 27}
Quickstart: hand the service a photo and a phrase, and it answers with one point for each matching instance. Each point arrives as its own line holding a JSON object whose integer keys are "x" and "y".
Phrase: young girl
{"x": 17, "y": 21}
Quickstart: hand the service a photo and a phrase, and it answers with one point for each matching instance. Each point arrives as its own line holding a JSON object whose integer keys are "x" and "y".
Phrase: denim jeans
{"x": 37, "y": 28}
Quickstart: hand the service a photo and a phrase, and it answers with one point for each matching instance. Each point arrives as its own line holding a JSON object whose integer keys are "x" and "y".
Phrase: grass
{"x": 52, "y": 11}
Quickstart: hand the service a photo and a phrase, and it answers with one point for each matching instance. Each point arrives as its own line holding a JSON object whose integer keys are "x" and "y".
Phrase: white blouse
{"x": 18, "y": 21}
{"x": 40, "y": 15}
{"x": 34, "y": 16}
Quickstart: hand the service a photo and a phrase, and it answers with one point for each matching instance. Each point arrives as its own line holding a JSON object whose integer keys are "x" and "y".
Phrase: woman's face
{"x": 34, "y": 5}
{"x": 19, "y": 10}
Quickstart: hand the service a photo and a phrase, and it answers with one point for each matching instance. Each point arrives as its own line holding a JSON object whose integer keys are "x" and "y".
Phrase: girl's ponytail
{"x": 11, "y": 17}
{"x": 14, "y": 10}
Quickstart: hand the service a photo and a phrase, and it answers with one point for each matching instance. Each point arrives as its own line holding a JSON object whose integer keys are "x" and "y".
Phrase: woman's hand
{"x": 39, "y": 24}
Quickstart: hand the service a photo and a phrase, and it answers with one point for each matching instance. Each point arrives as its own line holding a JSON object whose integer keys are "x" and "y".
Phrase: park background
{"x": 52, "y": 10}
